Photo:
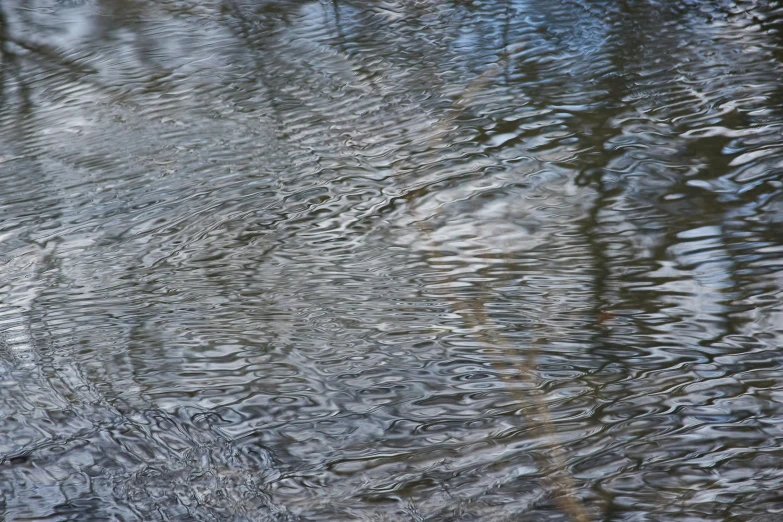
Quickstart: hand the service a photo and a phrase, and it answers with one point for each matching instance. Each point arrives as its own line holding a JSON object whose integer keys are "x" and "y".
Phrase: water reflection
{"x": 390, "y": 260}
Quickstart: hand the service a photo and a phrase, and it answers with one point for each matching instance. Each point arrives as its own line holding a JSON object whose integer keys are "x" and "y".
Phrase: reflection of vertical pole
{"x": 9, "y": 65}
{"x": 336, "y": 8}
{"x": 5, "y": 57}
{"x": 338, "y": 25}
{"x": 506, "y": 26}
{"x": 592, "y": 231}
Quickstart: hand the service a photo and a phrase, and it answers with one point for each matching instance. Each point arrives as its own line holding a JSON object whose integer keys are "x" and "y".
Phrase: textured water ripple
{"x": 391, "y": 260}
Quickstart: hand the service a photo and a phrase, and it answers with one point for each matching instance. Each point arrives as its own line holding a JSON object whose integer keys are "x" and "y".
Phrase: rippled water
{"x": 417, "y": 260}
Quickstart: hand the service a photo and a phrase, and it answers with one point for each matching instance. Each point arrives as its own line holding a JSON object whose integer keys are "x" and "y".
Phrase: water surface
{"x": 391, "y": 260}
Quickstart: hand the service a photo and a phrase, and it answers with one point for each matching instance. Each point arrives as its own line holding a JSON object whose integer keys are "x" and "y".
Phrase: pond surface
{"x": 391, "y": 260}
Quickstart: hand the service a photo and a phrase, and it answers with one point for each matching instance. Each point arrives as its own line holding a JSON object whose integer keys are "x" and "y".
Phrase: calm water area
{"x": 391, "y": 260}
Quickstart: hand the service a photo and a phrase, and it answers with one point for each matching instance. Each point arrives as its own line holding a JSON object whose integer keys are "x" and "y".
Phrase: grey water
{"x": 391, "y": 260}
